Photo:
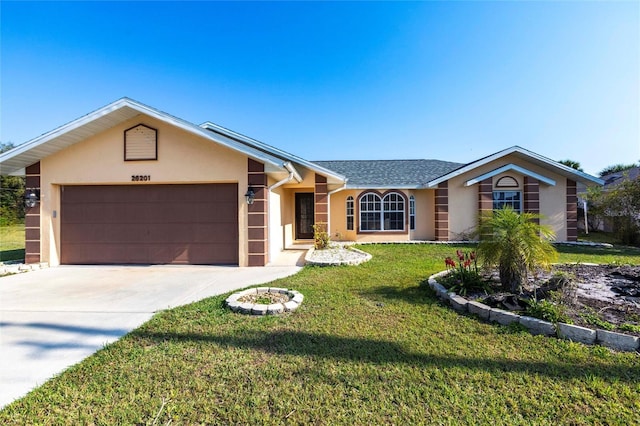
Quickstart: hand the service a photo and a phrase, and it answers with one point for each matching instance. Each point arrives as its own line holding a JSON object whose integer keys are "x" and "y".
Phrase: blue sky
{"x": 447, "y": 80}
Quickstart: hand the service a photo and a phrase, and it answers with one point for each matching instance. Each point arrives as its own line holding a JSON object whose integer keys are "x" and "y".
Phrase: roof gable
{"x": 125, "y": 109}
{"x": 507, "y": 168}
{"x": 527, "y": 155}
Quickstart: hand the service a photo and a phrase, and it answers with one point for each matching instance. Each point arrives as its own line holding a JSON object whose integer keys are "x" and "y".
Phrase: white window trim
{"x": 521, "y": 199}
{"x": 412, "y": 212}
{"x": 351, "y": 215}
{"x": 382, "y": 212}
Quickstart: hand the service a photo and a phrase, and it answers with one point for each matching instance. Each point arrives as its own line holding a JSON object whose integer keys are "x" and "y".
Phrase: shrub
{"x": 548, "y": 311}
{"x": 516, "y": 244}
{"x": 464, "y": 275}
{"x": 320, "y": 236}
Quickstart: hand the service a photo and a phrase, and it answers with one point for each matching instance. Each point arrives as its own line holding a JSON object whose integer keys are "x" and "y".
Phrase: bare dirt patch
{"x": 595, "y": 296}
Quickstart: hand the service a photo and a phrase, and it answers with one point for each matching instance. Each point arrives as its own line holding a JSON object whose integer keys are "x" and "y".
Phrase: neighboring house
{"x": 129, "y": 184}
{"x": 612, "y": 180}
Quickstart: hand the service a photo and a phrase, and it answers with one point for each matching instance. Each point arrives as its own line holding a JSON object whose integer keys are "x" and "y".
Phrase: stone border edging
{"x": 458, "y": 242}
{"x": 588, "y": 336}
{"x": 354, "y": 262}
{"x": 18, "y": 268}
{"x": 295, "y": 301}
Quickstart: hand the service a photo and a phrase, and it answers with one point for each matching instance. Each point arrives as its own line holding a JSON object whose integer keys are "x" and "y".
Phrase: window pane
{"x": 503, "y": 199}
{"x": 370, "y": 212}
{"x": 412, "y": 212}
{"x": 393, "y": 212}
{"x": 350, "y": 208}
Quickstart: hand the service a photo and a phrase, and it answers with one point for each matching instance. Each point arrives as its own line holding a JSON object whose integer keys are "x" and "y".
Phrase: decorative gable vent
{"x": 140, "y": 143}
{"x": 507, "y": 182}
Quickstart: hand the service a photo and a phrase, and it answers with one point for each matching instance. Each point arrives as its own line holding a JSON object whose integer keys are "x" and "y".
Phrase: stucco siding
{"x": 425, "y": 215}
{"x": 182, "y": 158}
{"x": 463, "y": 201}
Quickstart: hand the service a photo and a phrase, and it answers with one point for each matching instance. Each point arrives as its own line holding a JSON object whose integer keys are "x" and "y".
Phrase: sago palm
{"x": 516, "y": 244}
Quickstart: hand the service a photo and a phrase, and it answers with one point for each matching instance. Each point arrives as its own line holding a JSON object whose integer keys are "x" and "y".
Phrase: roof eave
{"x": 38, "y": 146}
{"x": 581, "y": 176}
{"x": 276, "y": 152}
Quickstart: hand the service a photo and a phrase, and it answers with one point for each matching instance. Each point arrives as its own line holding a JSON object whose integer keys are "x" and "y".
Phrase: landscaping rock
{"x": 259, "y": 309}
{"x": 538, "y": 326}
{"x": 479, "y": 309}
{"x": 617, "y": 341}
{"x": 290, "y": 306}
{"x": 458, "y": 303}
{"x": 437, "y": 287}
{"x": 245, "y": 308}
{"x": 276, "y": 308}
{"x": 298, "y": 298}
{"x": 234, "y": 305}
{"x": 262, "y": 289}
{"x": 503, "y": 317}
{"x": 443, "y": 294}
{"x": 576, "y": 333}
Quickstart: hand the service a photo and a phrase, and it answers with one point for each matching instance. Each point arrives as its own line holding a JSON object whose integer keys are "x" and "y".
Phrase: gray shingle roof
{"x": 389, "y": 173}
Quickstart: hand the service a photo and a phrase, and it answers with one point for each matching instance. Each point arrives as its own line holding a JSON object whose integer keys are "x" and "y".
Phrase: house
{"x": 605, "y": 222}
{"x": 129, "y": 184}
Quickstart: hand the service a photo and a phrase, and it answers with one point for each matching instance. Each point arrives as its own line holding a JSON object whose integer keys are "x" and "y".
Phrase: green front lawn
{"x": 11, "y": 242}
{"x": 369, "y": 345}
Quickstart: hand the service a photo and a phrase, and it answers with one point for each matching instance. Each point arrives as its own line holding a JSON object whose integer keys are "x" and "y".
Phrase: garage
{"x": 149, "y": 224}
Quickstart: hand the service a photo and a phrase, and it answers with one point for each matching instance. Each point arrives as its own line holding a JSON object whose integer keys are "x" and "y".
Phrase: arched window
{"x": 350, "y": 212}
{"x": 412, "y": 212}
{"x": 382, "y": 214}
{"x": 370, "y": 212}
{"x": 502, "y": 198}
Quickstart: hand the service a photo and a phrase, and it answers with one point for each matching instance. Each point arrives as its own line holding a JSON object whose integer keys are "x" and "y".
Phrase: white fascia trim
{"x": 45, "y": 137}
{"x": 152, "y": 112}
{"x": 274, "y": 150}
{"x": 192, "y": 128}
{"x": 507, "y": 168}
{"x": 385, "y": 187}
{"x": 508, "y": 151}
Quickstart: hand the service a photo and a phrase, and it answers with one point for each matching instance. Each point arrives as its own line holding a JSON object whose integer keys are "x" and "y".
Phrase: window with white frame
{"x": 502, "y": 199}
{"x": 412, "y": 212}
{"x": 382, "y": 213}
{"x": 350, "y": 211}
{"x": 371, "y": 212}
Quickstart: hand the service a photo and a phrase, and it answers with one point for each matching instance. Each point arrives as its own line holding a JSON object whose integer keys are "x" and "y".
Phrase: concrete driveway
{"x": 53, "y": 318}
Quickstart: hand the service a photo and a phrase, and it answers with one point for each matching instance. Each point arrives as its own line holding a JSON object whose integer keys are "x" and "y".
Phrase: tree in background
{"x": 573, "y": 164}
{"x": 617, "y": 168}
{"x": 621, "y": 205}
{"x": 11, "y": 195}
{"x": 516, "y": 243}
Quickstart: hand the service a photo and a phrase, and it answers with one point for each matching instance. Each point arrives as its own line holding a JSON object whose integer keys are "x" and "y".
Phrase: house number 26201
{"x": 140, "y": 178}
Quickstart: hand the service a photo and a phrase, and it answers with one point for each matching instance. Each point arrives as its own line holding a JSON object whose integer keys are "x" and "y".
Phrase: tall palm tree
{"x": 516, "y": 243}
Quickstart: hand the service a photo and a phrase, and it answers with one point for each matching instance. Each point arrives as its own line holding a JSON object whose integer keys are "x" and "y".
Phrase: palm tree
{"x": 516, "y": 243}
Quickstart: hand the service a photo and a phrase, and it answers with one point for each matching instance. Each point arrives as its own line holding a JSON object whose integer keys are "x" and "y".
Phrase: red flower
{"x": 449, "y": 262}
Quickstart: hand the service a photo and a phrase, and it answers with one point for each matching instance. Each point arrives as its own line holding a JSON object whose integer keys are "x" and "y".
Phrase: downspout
{"x": 329, "y": 194}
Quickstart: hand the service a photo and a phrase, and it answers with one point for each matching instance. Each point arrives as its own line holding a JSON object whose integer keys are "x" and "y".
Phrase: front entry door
{"x": 304, "y": 216}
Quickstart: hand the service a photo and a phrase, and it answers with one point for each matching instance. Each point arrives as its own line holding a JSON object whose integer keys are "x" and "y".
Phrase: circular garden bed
{"x": 264, "y": 301}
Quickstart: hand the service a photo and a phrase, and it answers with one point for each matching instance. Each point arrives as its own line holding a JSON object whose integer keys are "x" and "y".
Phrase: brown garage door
{"x": 149, "y": 224}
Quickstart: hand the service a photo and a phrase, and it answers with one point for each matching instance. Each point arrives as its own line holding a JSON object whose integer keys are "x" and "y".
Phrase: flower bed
{"x": 264, "y": 301}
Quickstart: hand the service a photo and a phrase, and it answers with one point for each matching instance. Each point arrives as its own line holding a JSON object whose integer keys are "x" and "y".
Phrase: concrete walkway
{"x": 53, "y": 318}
